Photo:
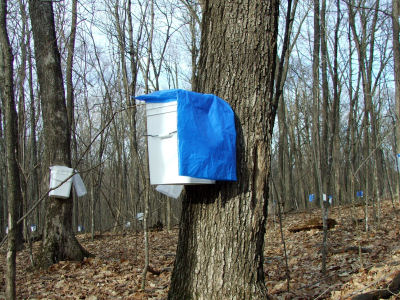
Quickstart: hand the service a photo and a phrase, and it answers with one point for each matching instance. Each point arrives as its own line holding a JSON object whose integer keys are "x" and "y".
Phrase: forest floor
{"x": 357, "y": 261}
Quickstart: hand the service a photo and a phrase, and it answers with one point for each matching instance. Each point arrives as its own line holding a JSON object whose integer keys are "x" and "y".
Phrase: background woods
{"x": 336, "y": 94}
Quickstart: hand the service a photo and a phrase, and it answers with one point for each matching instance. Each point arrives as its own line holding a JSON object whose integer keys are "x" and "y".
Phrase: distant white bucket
{"x": 163, "y": 145}
{"x": 59, "y": 174}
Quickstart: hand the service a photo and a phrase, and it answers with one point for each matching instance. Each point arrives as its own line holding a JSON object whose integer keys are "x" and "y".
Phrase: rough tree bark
{"x": 59, "y": 242}
{"x": 14, "y": 195}
{"x": 221, "y": 239}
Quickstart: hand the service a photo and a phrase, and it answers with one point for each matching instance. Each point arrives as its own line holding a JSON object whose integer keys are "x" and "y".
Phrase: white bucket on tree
{"x": 59, "y": 174}
{"x": 162, "y": 141}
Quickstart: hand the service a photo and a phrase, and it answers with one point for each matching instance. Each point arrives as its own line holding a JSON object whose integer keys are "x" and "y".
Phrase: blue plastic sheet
{"x": 206, "y": 134}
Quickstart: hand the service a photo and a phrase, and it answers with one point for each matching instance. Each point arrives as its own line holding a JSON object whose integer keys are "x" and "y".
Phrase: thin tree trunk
{"x": 146, "y": 237}
{"x": 146, "y": 183}
{"x": 396, "y": 58}
{"x": 168, "y": 217}
{"x": 3, "y": 198}
{"x": 70, "y": 60}
{"x": 133, "y": 53}
{"x": 34, "y": 180}
{"x": 335, "y": 120}
{"x": 325, "y": 156}
{"x": 22, "y": 120}
{"x": 70, "y": 94}
{"x": 316, "y": 135}
{"x": 14, "y": 195}
{"x": 92, "y": 208}
{"x": 316, "y": 104}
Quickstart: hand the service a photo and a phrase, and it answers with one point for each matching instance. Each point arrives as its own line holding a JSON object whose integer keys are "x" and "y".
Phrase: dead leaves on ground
{"x": 357, "y": 262}
{"x": 115, "y": 272}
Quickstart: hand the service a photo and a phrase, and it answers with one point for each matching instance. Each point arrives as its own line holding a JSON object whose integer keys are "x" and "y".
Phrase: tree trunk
{"x": 283, "y": 154}
{"x": 221, "y": 239}
{"x": 316, "y": 104}
{"x": 396, "y": 57}
{"x": 366, "y": 61}
{"x": 22, "y": 119}
{"x": 34, "y": 178}
{"x": 280, "y": 78}
{"x": 14, "y": 194}
{"x": 59, "y": 242}
{"x": 2, "y": 175}
{"x": 335, "y": 120}
{"x": 70, "y": 59}
{"x": 316, "y": 134}
{"x": 325, "y": 156}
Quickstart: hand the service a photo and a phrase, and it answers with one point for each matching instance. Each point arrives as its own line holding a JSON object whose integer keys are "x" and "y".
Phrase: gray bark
{"x": 59, "y": 242}
{"x": 221, "y": 239}
{"x": 14, "y": 195}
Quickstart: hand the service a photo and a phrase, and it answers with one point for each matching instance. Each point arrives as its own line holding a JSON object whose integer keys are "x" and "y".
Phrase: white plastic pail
{"x": 163, "y": 145}
{"x": 59, "y": 174}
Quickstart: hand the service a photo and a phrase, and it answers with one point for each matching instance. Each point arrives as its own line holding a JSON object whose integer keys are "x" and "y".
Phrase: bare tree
{"x": 396, "y": 57}
{"x": 59, "y": 242}
{"x": 14, "y": 194}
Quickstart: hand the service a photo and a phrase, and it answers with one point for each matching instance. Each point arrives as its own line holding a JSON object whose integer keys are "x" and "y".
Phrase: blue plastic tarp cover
{"x": 206, "y": 134}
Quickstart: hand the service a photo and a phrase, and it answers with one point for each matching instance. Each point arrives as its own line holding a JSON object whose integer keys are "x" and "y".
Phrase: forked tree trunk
{"x": 221, "y": 239}
{"x": 59, "y": 242}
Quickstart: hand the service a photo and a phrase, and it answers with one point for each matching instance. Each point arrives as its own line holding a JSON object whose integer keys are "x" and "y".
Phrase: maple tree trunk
{"x": 59, "y": 242}
{"x": 14, "y": 195}
{"x": 221, "y": 238}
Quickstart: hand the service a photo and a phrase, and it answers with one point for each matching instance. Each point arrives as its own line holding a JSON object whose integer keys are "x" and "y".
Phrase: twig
{"x": 283, "y": 239}
{"x": 324, "y": 292}
{"x": 36, "y": 204}
{"x": 371, "y": 284}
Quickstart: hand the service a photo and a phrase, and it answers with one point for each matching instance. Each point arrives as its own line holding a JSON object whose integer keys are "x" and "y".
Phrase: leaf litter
{"x": 357, "y": 261}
